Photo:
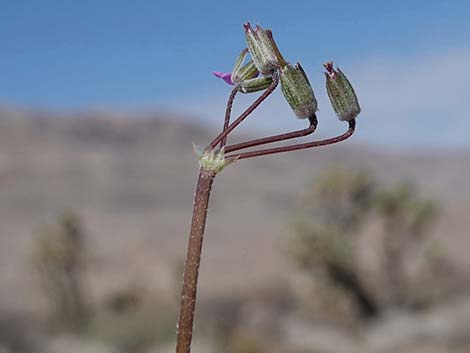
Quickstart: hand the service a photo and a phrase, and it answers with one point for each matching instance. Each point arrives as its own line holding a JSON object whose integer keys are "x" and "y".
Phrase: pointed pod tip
{"x": 330, "y": 71}
{"x": 328, "y": 65}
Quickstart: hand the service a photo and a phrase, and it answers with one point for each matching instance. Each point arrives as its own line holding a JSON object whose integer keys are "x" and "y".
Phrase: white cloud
{"x": 421, "y": 101}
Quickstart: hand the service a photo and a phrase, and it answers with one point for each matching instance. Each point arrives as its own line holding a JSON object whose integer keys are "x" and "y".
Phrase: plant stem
{"x": 246, "y": 113}
{"x": 300, "y": 146}
{"x": 228, "y": 112}
{"x": 193, "y": 260}
{"x": 276, "y": 138}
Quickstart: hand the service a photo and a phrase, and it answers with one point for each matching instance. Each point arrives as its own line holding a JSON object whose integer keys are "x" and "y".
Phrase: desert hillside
{"x": 131, "y": 181}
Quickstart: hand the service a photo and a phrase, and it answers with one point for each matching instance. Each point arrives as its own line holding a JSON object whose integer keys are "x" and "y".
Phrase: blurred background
{"x": 359, "y": 247}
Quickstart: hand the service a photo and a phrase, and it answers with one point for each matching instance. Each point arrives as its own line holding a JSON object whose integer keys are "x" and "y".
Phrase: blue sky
{"x": 409, "y": 60}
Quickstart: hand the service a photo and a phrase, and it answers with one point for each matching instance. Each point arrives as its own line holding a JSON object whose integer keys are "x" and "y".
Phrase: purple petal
{"x": 226, "y": 76}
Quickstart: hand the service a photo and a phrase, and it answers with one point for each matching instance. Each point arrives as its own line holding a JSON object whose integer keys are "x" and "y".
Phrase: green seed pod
{"x": 262, "y": 48}
{"x": 298, "y": 91}
{"x": 341, "y": 94}
{"x": 255, "y": 84}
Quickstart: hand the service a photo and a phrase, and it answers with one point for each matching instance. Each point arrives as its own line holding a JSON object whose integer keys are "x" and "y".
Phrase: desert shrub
{"x": 333, "y": 214}
{"x": 406, "y": 222}
{"x": 59, "y": 258}
{"x": 332, "y": 211}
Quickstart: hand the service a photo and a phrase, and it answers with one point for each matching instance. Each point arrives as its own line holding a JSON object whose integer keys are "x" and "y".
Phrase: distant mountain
{"x": 132, "y": 181}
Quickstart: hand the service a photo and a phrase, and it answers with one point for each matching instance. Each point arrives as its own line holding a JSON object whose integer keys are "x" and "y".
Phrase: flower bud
{"x": 246, "y": 72}
{"x": 262, "y": 48}
{"x": 255, "y": 84}
{"x": 240, "y": 59}
{"x": 241, "y": 73}
{"x": 341, "y": 94}
{"x": 297, "y": 90}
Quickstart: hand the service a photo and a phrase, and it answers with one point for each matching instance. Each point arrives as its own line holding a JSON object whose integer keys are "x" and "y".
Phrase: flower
{"x": 226, "y": 76}
{"x": 239, "y": 73}
{"x": 245, "y": 77}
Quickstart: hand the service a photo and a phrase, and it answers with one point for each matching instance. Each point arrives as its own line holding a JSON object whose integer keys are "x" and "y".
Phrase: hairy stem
{"x": 228, "y": 112}
{"x": 193, "y": 260}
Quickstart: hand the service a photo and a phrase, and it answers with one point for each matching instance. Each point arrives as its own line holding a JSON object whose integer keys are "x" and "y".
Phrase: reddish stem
{"x": 276, "y": 138}
{"x": 193, "y": 260}
{"x": 228, "y": 112}
{"x": 247, "y": 112}
{"x": 300, "y": 146}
